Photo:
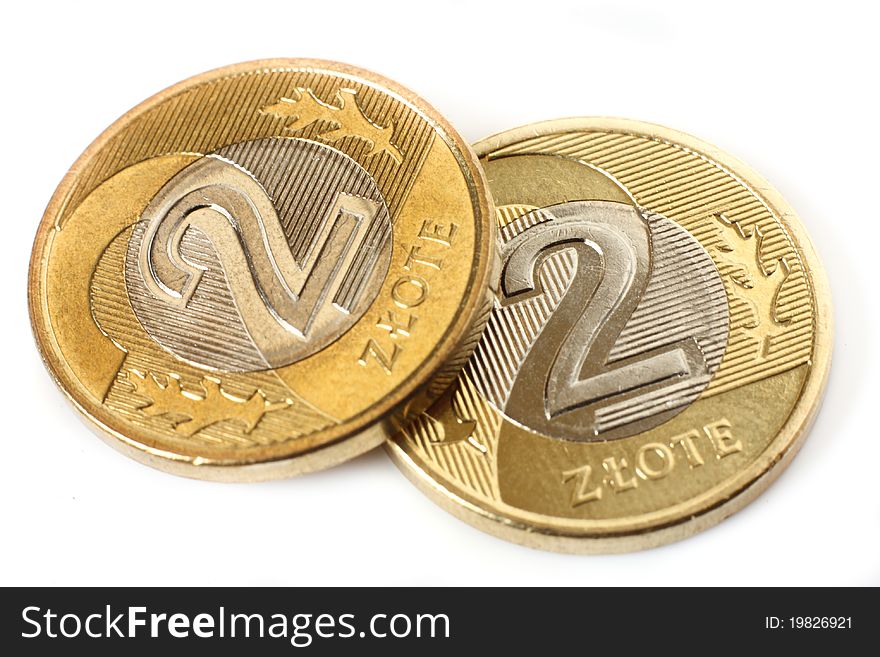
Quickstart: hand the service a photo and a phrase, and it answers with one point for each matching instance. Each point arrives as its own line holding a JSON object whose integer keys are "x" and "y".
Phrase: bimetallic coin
{"x": 254, "y": 272}
{"x": 657, "y": 349}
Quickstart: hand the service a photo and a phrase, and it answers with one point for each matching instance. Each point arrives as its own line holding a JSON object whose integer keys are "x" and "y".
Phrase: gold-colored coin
{"x": 254, "y": 272}
{"x": 657, "y": 349}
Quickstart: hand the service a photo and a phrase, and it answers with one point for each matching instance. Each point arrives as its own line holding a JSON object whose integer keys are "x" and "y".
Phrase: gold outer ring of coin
{"x": 531, "y": 490}
{"x": 175, "y": 408}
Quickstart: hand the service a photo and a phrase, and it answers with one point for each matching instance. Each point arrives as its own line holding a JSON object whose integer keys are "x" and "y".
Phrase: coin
{"x": 657, "y": 349}
{"x": 254, "y": 272}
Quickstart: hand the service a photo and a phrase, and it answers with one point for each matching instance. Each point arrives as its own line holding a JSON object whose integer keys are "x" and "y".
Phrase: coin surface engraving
{"x": 258, "y": 271}
{"x": 609, "y": 321}
{"x": 657, "y": 347}
{"x": 295, "y": 277}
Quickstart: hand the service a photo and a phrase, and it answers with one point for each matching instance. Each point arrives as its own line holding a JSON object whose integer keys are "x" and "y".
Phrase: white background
{"x": 789, "y": 89}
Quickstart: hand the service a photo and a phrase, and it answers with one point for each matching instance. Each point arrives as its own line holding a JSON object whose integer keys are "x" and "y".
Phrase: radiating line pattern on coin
{"x": 178, "y": 125}
{"x": 112, "y": 311}
{"x": 301, "y": 232}
{"x": 697, "y": 193}
{"x": 683, "y": 306}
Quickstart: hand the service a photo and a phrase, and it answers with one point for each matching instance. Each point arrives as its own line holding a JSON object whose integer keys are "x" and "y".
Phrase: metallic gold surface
{"x": 256, "y": 272}
{"x": 658, "y": 347}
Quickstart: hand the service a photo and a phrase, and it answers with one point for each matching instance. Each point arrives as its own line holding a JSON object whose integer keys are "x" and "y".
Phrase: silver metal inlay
{"x": 610, "y": 320}
{"x": 259, "y": 255}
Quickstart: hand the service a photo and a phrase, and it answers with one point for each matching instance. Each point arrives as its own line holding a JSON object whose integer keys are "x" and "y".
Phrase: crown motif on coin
{"x": 346, "y": 115}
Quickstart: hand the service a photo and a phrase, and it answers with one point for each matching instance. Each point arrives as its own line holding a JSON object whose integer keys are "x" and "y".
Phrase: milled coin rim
{"x": 709, "y": 508}
{"x": 343, "y": 441}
